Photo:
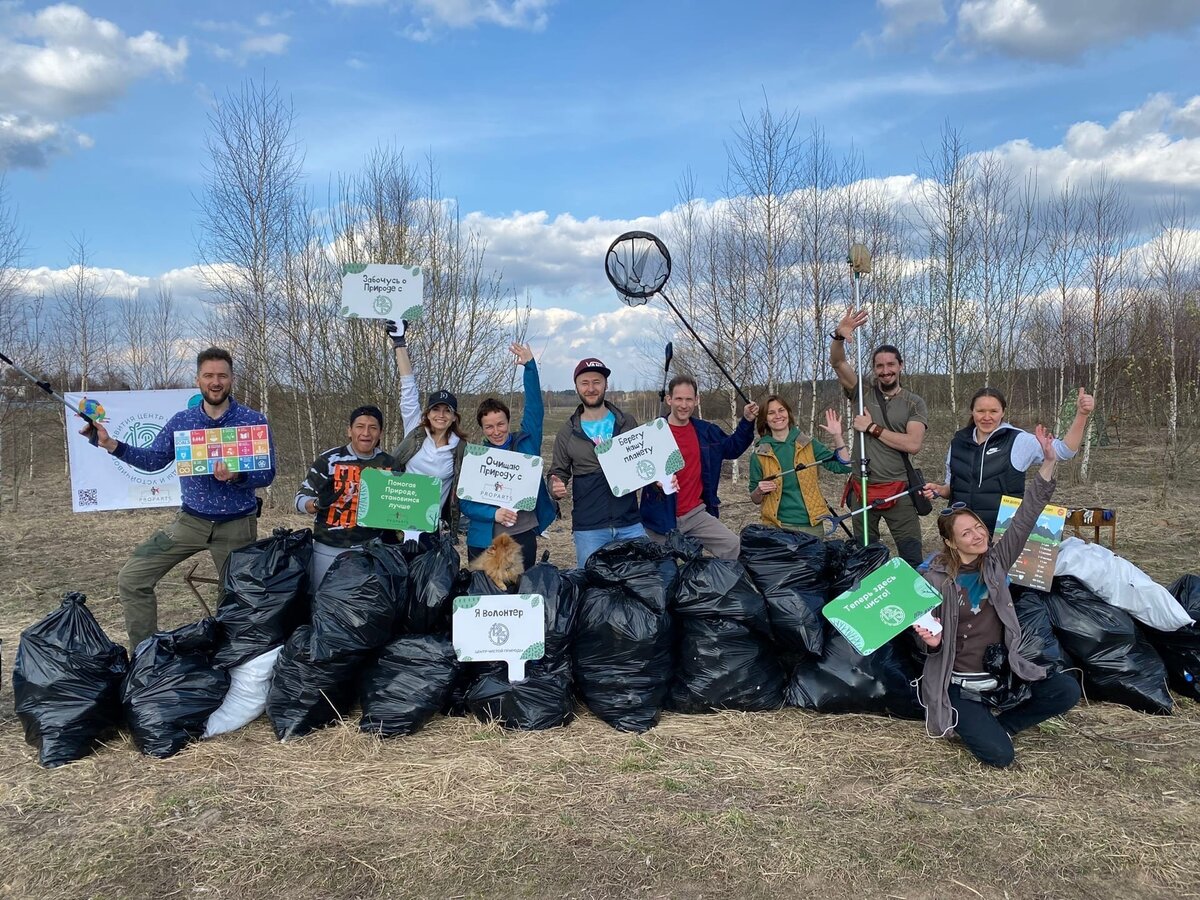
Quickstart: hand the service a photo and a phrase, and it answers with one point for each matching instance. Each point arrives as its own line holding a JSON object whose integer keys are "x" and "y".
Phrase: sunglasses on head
{"x": 953, "y": 508}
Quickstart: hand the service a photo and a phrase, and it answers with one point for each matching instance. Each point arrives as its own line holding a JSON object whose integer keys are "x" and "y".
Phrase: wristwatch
{"x": 837, "y": 335}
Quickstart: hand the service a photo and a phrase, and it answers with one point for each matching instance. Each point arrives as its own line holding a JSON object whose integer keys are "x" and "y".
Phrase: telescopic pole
{"x": 93, "y": 436}
{"x": 704, "y": 347}
{"x": 860, "y": 262}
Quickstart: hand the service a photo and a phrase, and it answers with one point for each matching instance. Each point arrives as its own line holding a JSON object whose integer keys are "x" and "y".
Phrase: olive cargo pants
{"x": 186, "y": 536}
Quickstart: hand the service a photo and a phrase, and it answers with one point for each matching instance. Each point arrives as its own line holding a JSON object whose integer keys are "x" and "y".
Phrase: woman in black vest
{"x": 988, "y": 457}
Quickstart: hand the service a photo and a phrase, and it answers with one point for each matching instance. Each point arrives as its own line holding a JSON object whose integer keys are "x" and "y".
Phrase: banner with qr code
{"x": 99, "y": 481}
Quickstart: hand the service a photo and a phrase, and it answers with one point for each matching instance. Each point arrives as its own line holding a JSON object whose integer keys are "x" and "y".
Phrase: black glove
{"x": 396, "y": 332}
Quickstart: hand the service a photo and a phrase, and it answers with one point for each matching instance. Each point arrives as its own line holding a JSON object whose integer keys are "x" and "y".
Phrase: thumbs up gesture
{"x": 1085, "y": 403}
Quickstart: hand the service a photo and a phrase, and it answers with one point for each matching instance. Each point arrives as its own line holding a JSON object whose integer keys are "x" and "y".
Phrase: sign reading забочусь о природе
{"x": 379, "y": 291}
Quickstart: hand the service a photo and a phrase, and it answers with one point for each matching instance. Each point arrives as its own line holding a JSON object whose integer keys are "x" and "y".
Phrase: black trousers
{"x": 528, "y": 542}
{"x": 989, "y": 738}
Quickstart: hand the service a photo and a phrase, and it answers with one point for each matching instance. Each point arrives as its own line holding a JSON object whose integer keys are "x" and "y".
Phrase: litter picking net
{"x": 638, "y": 265}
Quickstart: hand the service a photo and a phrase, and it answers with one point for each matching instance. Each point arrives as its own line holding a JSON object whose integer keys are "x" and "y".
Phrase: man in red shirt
{"x": 694, "y": 508}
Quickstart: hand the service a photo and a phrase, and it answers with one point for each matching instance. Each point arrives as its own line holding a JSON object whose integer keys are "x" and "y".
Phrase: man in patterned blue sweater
{"x": 218, "y": 512}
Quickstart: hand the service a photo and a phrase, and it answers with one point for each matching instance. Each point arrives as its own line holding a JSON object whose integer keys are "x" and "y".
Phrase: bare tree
{"x": 84, "y": 327}
{"x": 249, "y": 199}
{"x": 764, "y": 174}
{"x": 948, "y": 232}
{"x": 1171, "y": 273}
{"x": 1064, "y": 259}
{"x": 1105, "y": 238}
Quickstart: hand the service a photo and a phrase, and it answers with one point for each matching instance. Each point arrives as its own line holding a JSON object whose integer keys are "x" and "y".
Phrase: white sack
{"x": 247, "y": 697}
{"x": 1120, "y": 583}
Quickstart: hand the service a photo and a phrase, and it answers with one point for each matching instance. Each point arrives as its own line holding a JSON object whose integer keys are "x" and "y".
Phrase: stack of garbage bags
{"x": 725, "y": 656}
{"x": 379, "y": 635}
{"x": 1180, "y": 649}
{"x": 624, "y": 640}
{"x": 545, "y": 698}
{"x": 265, "y": 597}
{"x": 839, "y": 679}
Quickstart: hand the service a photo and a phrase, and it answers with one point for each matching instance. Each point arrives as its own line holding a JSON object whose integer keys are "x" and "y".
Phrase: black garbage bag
{"x": 1180, "y": 649}
{"x": 432, "y": 580}
{"x": 1039, "y": 644}
{"x": 306, "y": 693}
{"x": 67, "y": 682}
{"x": 789, "y": 569}
{"x": 407, "y": 684}
{"x": 849, "y": 562}
{"x": 265, "y": 597}
{"x": 842, "y": 681}
{"x": 623, "y": 638}
{"x": 725, "y": 658}
{"x": 358, "y": 604}
{"x": 560, "y": 590}
{"x": 173, "y": 687}
{"x": 1118, "y": 663}
{"x": 543, "y": 700}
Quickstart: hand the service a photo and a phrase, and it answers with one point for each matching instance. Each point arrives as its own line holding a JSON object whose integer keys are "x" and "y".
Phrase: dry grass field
{"x": 1101, "y": 804}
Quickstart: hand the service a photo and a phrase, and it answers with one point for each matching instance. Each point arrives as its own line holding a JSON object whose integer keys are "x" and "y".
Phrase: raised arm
{"x": 734, "y": 445}
{"x": 410, "y": 403}
{"x": 1037, "y": 495}
{"x": 1085, "y": 403}
{"x": 534, "y": 414}
{"x": 852, "y": 320}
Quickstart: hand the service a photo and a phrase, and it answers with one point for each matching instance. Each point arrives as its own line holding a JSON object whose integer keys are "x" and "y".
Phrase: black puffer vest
{"x": 980, "y": 474}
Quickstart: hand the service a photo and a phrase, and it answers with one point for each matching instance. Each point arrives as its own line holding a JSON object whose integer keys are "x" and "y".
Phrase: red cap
{"x": 591, "y": 364}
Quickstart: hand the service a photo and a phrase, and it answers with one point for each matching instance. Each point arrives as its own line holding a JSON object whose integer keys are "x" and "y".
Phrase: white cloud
{"x": 1060, "y": 30}
{"x": 59, "y": 63}
{"x": 433, "y": 16}
{"x": 248, "y": 42}
{"x": 1050, "y": 30}
{"x": 903, "y": 17}
{"x": 1151, "y": 151}
{"x": 265, "y": 45}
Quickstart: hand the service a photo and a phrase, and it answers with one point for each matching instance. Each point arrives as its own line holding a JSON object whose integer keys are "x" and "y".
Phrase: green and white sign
{"x": 885, "y": 603}
{"x": 639, "y": 457}
{"x": 378, "y": 291}
{"x": 500, "y": 627}
{"x": 500, "y": 478}
{"x": 399, "y": 501}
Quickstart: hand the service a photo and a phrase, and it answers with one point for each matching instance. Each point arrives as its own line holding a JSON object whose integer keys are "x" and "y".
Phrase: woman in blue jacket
{"x": 487, "y": 522}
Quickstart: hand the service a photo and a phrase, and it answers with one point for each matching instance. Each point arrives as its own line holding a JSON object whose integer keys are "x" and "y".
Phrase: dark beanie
{"x": 372, "y": 411}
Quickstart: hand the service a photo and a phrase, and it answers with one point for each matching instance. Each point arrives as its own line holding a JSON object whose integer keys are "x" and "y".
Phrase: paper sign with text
{"x": 1034, "y": 568}
{"x": 639, "y": 457}
{"x": 500, "y": 627}
{"x": 885, "y": 603}
{"x": 378, "y": 291}
{"x": 500, "y": 478}
{"x": 399, "y": 501}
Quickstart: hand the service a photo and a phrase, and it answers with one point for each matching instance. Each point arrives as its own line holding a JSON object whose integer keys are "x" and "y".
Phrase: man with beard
{"x": 597, "y": 517}
{"x": 893, "y": 424}
{"x": 218, "y": 512}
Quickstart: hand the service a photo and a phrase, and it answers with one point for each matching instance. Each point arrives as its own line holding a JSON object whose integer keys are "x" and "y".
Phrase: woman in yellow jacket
{"x": 793, "y": 501}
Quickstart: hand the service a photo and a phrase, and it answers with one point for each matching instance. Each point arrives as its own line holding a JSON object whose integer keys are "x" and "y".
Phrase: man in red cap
{"x": 598, "y": 517}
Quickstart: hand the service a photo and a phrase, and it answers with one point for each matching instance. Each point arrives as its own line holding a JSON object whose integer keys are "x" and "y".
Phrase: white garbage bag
{"x": 247, "y": 697}
{"x": 1120, "y": 583}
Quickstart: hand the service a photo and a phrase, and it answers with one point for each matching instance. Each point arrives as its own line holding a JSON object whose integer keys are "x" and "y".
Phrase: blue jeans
{"x": 588, "y": 542}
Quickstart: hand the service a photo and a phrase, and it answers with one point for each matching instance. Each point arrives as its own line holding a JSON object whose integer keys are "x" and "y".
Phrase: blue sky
{"x": 567, "y": 112}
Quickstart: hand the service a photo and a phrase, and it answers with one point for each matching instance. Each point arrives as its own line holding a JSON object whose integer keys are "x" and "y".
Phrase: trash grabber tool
{"x": 830, "y": 523}
{"x": 801, "y": 468}
{"x": 93, "y": 436}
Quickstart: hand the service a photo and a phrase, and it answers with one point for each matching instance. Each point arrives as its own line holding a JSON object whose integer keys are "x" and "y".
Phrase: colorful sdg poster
{"x": 1034, "y": 568}
{"x": 246, "y": 448}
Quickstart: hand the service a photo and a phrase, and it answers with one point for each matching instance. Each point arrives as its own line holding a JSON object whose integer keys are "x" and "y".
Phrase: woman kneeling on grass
{"x": 977, "y": 611}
